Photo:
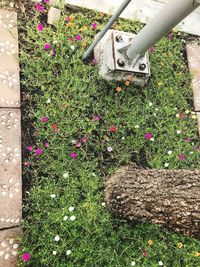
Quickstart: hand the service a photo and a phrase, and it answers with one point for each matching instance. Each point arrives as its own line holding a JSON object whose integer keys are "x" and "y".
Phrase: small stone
{"x": 53, "y": 15}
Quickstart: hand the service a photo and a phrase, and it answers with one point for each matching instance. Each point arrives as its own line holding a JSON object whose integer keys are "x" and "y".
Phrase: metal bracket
{"x": 141, "y": 65}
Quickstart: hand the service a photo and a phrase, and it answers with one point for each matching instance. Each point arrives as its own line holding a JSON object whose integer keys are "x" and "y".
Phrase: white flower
{"x": 137, "y": 126}
{"x": 123, "y": 138}
{"x": 71, "y": 208}
{"x": 169, "y": 152}
{"x": 156, "y": 109}
{"x": 73, "y": 141}
{"x": 133, "y": 263}
{"x": 53, "y": 195}
{"x": 72, "y": 47}
{"x": 187, "y": 111}
{"x": 154, "y": 114}
{"x": 72, "y": 218}
{"x": 65, "y": 175}
{"x": 193, "y": 112}
{"x": 150, "y": 104}
{"x": 178, "y": 132}
{"x": 166, "y": 164}
{"x": 65, "y": 218}
{"x": 93, "y": 174}
{"x": 54, "y": 252}
{"x": 57, "y": 238}
{"x": 160, "y": 263}
{"x": 152, "y": 139}
{"x": 191, "y": 152}
{"x": 48, "y": 101}
{"x": 103, "y": 204}
{"x": 68, "y": 252}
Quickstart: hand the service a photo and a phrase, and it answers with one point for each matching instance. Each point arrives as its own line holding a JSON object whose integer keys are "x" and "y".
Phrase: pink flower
{"x": 39, "y": 7}
{"x": 27, "y": 164}
{"x": 47, "y": 46}
{"x": 148, "y": 136}
{"x": 29, "y": 148}
{"x": 78, "y": 144}
{"x": 40, "y": 27}
{"x": 73, "y": 155}
{"x": 113, "y": 129}
{"x": 26, "y": 257}
{"x": 70, "y": 39}
{"x": 38, "y": 151}
{"x": 110, "y": 149}
{"x": 53, "y": 53}
{"x": 46, "y": 144}
{"x": 170, "y": 35}
{"x": 152, "y": 49}
{"x": 44, "y": 119}
{"x": 78, "y": 37}
{"x": 94, "y": 25}
{"x": 94, "y": 62}
{"x": 144, "y": 253}
{"x": 84, "y": 139}
{"x": 182, "y": 115}
{"x": 46, "y": 1}
{"x": 196, "y": 148}
{"x": 182, "y": 157}
{"x": 187, "y": 140}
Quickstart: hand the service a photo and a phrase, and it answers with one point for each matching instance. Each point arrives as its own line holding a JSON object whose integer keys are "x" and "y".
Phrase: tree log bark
{"x": 170, "y": 198}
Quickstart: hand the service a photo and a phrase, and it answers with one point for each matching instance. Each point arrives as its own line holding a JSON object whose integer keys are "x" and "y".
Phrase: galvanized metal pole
{"x": 170, "y": 15}
{"x": 100, "y": 35}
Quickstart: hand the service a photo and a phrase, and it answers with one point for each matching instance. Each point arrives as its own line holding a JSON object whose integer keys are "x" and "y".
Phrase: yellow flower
{"x": 150, "y": 242}
{"x": 117, "y": 27}
{"x": 83, "y": 29}
{"x": 194, "y": 117}
{"x": 84, "y": 44}
{"x": 69, "y": 24}
{"x": 187, "y": 111}
{"x": 197, "y": 254}
{"x": 127, "y": 83}
{"x": 180, "y": 245}
{"x": 177, "y": 115}
{"x": 119, "y": 89}
{"x": 160, "y": 84}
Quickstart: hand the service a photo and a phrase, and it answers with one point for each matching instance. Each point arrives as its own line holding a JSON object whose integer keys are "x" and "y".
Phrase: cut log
{"x": 170, "y": 198}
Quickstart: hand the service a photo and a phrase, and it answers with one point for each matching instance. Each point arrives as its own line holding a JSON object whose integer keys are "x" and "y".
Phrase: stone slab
{"x": 9, "y": 247}
{"x": 193, "y": 55}
{"x": 142, "y": 10}
{"x": 198, "y": 120}
{"x": 10, "y": 168}
{"x": 9, "y": 67}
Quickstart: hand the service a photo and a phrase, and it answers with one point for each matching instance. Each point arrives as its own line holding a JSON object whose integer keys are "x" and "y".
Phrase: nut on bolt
{"x": 121, "y": 62}
{"x": 119, "y": 39}
{"x": 142, "y": 66}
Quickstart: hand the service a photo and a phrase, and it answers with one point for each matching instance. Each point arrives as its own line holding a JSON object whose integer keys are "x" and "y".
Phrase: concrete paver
{"x": 8, "y": 247}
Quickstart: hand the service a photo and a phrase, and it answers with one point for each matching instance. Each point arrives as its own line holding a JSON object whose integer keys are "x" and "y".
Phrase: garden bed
{"x": 79, "y": 128}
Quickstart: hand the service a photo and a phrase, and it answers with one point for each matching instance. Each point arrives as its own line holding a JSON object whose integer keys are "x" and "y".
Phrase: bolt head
{"x": 142, "y": 66}
{"x": 119, "y": 39}
{"x": 121, "y": 62}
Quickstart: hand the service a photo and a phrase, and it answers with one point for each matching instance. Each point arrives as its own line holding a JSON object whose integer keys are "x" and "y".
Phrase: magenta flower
{"x": 38, "y": 151}
{"x": 152, "y": 49}
{"x": 78, "y": 37}
{"x": 46, "y": 1}
{"x": 148, "y": 136}
{"x": 96, "y": 118}
{"x": 68, "y": 18}
{"x": 39, "y": 7}
{"x": 47, "y": 46}
{"x": 26, "y": 257}
{"x": 94, "y": 25}
{"x": 182, "y": 157}
{"x": 44, "y": 119}
{"x": 29, "y": 148}
{"x": 73, "y": 155}
{"x": 182, "y": 115}
{"x": 70, "y": 39}
{"x": 40, "y": 27}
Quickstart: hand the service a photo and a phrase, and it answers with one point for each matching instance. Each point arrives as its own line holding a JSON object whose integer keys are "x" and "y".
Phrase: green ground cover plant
{"x": 78, "y": 129}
